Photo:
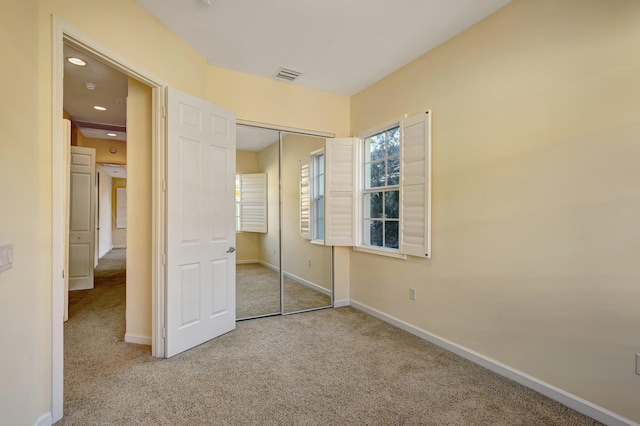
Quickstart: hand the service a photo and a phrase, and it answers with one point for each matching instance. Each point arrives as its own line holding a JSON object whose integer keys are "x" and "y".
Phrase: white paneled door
{"x": 200, "y": 292}
{"x": 82, "y": 205}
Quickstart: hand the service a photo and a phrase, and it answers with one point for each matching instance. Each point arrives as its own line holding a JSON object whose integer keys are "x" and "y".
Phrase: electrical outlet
{"x": 638, "y": 364}
{"x": 412, "y": 293}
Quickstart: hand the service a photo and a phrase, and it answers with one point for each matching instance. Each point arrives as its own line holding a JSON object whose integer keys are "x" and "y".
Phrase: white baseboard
{"x": 309, "y": 284}
{"x": 295, "y": 278}
{"x": 139, "y": 340}
{"x": 268, "y": 265}
{"x": 44, "y": 420}
{"x": 246, "y": 261}
{"x": 572, "y": 401}
{"x": 340, "y": 303}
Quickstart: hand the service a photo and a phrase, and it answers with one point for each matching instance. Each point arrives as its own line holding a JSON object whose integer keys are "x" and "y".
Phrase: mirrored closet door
{"x": 280, "y": 170}
{"x": 257, "y": 222}
{"x": 306, "y": 261}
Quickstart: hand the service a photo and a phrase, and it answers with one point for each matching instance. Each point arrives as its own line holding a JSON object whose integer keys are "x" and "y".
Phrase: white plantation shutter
{"x": 253, "y": 202}
{"x": 305, "y": 200}
{"x": 416, "y": 185}
{"x": 340, "y": 191}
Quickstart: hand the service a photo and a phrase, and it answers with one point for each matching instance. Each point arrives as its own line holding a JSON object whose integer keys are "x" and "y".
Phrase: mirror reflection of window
{"x": 317, "y": 196}
{"x": 306, "y": 261}
{"x": 251, "y": 202}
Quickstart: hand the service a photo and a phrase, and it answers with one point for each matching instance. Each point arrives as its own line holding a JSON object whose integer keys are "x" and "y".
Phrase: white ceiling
{"x": 110, "y": 92}
{"x": 339, "y": 46}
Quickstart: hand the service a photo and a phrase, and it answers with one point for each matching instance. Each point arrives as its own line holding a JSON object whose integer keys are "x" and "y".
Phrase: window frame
{"x": 344, "y": 182}
{"x": 362, "y": 190}
{"x": 314, "y": 188}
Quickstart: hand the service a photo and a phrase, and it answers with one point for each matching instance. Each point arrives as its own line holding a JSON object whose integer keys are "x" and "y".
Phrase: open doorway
{"x": 147, "y": 163}
{"x": 94, "y": 101}
{"x": 95, "y": 104}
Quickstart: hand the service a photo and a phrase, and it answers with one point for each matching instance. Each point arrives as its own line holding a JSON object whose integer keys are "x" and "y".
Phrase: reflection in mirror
{"x": 257, "y": 222}
{"x": 306, "y": 262}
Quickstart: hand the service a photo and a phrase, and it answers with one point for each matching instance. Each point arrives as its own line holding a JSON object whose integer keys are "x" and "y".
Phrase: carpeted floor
{"x": 327, "y": 367}
{"x": 258, "y": 292}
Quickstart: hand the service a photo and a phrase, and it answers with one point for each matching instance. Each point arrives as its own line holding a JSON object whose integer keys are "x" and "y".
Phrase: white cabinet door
{"x": 200, "y": 293}
{"x": 82, "y": 204}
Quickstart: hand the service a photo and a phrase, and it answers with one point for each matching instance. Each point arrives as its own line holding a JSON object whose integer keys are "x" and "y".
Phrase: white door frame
{"x": 63, "y": 32}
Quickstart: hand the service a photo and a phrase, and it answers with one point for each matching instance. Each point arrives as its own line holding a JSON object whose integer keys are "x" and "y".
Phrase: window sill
{"x": 317, "y": 242}
{"x": 381, "y": 252}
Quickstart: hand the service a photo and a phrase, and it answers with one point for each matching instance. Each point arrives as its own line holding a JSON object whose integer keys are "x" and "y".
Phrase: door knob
{"x": 231, "y": 250}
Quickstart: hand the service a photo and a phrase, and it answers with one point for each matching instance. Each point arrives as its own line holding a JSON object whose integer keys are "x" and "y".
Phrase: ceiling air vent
{"x": 287, "y": 74}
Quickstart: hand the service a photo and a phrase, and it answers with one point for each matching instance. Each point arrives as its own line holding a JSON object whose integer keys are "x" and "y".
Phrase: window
{"x": 381, "y": 189}
{"x": 378, "y": 189}
{"x": 312, "y": 175}
{"x": 317, "y": 195}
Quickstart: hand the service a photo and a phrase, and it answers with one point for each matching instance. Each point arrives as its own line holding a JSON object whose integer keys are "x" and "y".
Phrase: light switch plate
{"x": 6, "y": 257}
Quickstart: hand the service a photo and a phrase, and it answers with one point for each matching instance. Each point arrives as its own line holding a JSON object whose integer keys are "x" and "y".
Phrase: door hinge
{"x": 164, "y": 332}
{"x": 164, "y": 259}
{"x": 164, "y": 185}
{"x": 63, "y": 273}
{"x": 164, "y": 111}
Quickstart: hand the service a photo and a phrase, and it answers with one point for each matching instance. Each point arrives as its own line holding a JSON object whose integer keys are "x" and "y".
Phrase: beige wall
{"x": 118, "y": 235}
{"x": 296, "y": 252}
{"x": 268, "y": 101}
{"x": 269, "y": 243}
{"x": 139, "y": 188}
{"x": 246, "y": 242}
{"x": 535, "y": 116}
{"x": 102, "y": 149}
{"x": 25, "y": 221}
{"x": 535, "y": 195}
{"x": 127, "y": 29}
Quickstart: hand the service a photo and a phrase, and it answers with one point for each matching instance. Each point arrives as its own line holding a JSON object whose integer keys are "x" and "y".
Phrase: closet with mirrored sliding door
{"x": 282, "y": 264}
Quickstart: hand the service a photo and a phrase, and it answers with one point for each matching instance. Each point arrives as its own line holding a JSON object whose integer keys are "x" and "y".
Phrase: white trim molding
{"x": 137, "y": 339}
{"x": 309, "y": 284}
{"x": 341, "y": 303}
{"x": 269, "y": 265}
{"x": 565, "y": 398}
{"x": 44, "y": 420}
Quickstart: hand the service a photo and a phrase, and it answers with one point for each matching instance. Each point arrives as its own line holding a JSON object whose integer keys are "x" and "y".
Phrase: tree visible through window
{"x": 382, "y": 189}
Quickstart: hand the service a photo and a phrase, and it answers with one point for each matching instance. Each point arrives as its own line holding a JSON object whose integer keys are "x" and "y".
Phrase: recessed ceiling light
{"x": 112, "y": 134}
{"x": 99, "y": 108}
{"x": 90, "y": 86}
{"x": 77, "y": 61}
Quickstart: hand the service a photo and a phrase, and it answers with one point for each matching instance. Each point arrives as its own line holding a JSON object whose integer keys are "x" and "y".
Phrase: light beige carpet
{"x": 327, "y": 367}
